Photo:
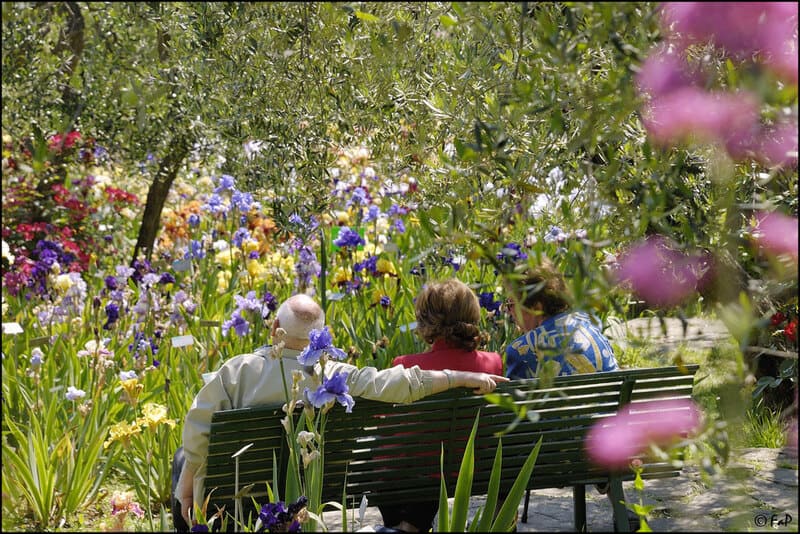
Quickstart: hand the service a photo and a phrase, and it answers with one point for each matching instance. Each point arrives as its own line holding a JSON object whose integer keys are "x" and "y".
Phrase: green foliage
{"x": 488, "y": 518}
{"x": 763, "y": 428}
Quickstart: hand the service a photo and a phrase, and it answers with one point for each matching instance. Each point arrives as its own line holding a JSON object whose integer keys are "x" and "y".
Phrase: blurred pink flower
{"x": 772, "y": 146}
{"x": 660, "y": 274}
{"x": 776, "y": 233}
{"x": 614, "y": 441}
{"x": 663, "y": 72}
{"x": 791, "y": 438}
{"x": 743, "y": 29}
{"x": 778, "y": 146}
{"x": 691, "y": 112}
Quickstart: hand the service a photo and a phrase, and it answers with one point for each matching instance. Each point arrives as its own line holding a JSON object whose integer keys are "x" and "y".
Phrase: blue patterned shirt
{"x": 572, "y": 340}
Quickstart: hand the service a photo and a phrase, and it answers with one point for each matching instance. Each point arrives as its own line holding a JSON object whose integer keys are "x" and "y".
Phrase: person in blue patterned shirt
{"x": 556, "y": 340}
{"x": 569, "y": 342}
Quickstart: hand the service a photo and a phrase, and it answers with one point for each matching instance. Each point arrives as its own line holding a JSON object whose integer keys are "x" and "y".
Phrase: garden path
{"x": 757, "y": 492}
{"x": 701, "y": 332}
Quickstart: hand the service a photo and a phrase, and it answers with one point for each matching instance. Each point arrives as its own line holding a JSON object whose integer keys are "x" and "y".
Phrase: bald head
{"x": 299, "y": 315}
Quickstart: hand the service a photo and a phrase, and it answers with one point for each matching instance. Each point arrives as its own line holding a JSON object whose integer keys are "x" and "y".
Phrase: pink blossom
{"x": 776, "y": 233}
{"x": 660, "y": 274}
{"x": 743, "y": 29}
{"x": 771, "y": 146}
{"x": 778, "y": 146}
{"x": 663, "y": 72}
{"x": 690, "y": 111}
{"x": 614, "y": 441}
{"x": 791, "y": 439}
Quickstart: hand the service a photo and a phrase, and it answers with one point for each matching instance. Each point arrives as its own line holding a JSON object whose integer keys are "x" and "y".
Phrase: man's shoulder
{"x": 258, "y": 356}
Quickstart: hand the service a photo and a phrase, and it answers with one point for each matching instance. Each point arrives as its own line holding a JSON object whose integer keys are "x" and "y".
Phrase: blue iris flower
{"x": 332, "y": 389}
{"x": 348, "y": 238}
{"x": 320, "y": 341}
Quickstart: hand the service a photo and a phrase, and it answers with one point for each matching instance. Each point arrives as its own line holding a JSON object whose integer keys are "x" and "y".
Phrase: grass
{"x": 763, "y": 428}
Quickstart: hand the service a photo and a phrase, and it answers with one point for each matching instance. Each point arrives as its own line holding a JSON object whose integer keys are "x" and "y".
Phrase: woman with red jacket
{"x": 448, "y": 314}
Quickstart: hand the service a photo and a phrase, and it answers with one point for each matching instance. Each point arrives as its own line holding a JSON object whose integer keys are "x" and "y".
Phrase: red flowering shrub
{"x": 55, "y": 200}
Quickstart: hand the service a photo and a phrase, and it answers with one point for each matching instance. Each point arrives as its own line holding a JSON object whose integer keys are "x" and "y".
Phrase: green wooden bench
{"x": 387, "y": 452}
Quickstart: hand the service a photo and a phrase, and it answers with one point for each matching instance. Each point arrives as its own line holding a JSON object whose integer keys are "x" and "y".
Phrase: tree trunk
{"x": 157, "y": 195}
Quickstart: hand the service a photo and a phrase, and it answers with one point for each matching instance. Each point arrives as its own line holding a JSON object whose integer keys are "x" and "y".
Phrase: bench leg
{"x": 620, "y": 510}
{"x": 525, "y": 508}
{"x": 579, "y": 507}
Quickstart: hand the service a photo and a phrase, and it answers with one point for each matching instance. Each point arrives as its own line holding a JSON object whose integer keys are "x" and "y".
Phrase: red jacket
{"x": 443, "y": 356}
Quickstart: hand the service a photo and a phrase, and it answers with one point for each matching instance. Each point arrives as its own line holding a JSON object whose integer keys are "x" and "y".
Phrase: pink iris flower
{"x": 616, "y": 440}
{"x": 661, "y": 275}
{"x": 776, "y": 233}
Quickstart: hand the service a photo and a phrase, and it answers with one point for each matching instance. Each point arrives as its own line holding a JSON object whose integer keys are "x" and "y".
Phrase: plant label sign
{"x": 12, "y": 328}
{"x": 182, "y": 341}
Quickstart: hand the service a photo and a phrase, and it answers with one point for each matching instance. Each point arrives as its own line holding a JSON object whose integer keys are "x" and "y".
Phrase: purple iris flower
{"x": 242, "y": 201}
{"x": 276, "y": 517}
{"x": 370, "y": 264}
{"x": 111, "y": 283}
{"x": 270, "y": 302}
{"x": 240, "y": 235}
{"x": 166, "y": 278}
{"x": 307, "y": 266}
{"x": 332, "y": 389}
{"x": 112, "y": 312}
{"x": 226, "y": 182}
{"x": 348, "y": 238}
{"x": 320, "y": 341}
{"x": 511, "y": 253}
{"x": 418, "y": 270}
{"x": 487, "y": 301}
{"x": 373, "y": 212}
{"x": 238, "y": 323}
{"x": 360, "y": 197}
{"x": 270, "y": 515}
{"x": 195, "y": 250}
{"x": 215, "y": 205}
{"x": 193, "y": 220}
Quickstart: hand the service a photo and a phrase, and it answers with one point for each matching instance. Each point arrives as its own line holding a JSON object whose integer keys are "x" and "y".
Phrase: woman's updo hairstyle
{"x": 448, "y": 310}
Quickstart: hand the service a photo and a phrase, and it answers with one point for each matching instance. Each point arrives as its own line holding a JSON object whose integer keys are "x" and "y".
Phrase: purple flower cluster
{"x": 348, "y": 238}
{"x": 277, "y": 517}
{"x": 306, "y": 268}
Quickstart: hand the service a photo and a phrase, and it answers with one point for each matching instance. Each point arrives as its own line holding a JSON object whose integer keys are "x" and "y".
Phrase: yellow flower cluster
{"x": 226, "y": 257}
{"x": 279, "y": 264}
{"x": 223, "y": 280}
{"x": 153, "y": 415}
